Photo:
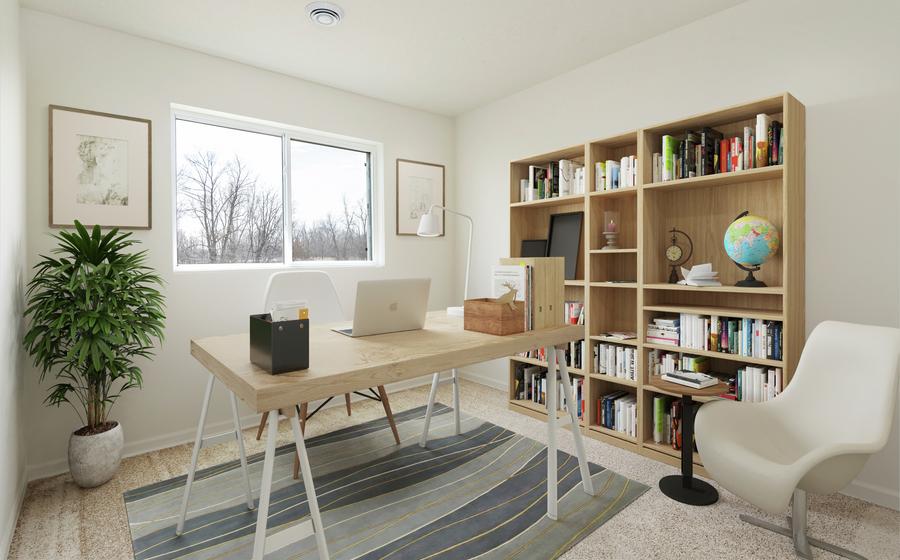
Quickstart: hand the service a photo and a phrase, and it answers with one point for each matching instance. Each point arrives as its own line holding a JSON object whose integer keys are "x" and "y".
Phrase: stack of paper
{"x": 700, "y": 275}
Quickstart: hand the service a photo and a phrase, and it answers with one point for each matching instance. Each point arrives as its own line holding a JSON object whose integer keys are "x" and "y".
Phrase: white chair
{"x": 814, "y": 437}
{"x": 317, "y": 289}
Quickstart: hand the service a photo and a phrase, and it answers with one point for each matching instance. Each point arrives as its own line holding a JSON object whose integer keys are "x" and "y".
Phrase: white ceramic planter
{"x": 93, "y": 460}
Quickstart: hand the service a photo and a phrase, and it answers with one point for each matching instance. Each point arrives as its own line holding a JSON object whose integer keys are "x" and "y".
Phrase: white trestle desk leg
{"x": 306, "y": 471}
{"x": 551, "y": 433}
{"x": 435, "y": 380}
{"x": 456, "y": 400}
{"x": 198, "y": 443}
{"x": 239, "y": 434}
{"x": 586, "y": 480}
{"x": 265, "y": 489}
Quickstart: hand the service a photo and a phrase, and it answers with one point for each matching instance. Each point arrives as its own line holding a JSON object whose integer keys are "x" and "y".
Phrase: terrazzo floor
{"x": 60, "y": 520}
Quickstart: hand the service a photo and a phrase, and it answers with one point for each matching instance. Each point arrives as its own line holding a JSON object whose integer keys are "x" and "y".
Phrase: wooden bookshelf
{"x": 701, "y": 206}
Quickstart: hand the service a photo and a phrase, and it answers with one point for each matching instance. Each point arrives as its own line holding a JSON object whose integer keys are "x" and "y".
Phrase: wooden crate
{"x": 488, "y": 316}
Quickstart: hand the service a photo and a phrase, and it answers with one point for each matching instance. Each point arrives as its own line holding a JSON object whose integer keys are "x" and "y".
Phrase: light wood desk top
{"x": 339, "y": 364}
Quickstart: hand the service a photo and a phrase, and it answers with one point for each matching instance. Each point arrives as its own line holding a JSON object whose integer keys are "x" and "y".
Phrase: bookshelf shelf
{"x": 627, "y": 191}
{"x": 549, "y": 202}
{"x": 532, "y": 361}
{"x": 612, "y": 433}
{"x": 613, "y": 251}
{"x": 613, "y": 340}
{"x": 719, "y": 355}
{"x": 539, "y": 410}
{"x": 763, "y": 314}
{"x": 769, "y": 173}
{"x": 611, "y": 379}
{"x": 614, "y": 284}
{"x": 701, "y": 206}
{"x": 768, "y": 290}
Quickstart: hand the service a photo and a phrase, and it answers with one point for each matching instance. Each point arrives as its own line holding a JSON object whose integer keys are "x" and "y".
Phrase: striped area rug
{"x": 480, "y": 494}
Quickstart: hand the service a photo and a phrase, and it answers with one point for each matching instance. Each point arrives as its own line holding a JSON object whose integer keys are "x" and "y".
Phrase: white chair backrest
{"x": 314, "y": 286}
{"x": 845, "y": 386}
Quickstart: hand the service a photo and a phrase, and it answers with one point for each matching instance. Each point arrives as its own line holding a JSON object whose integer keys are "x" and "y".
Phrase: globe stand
{"x": 750, "y": 281}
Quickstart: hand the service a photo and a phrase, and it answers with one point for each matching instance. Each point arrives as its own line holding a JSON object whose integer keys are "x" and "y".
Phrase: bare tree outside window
{"x": 231, "y": 197}
{"x": 330, "y": 198}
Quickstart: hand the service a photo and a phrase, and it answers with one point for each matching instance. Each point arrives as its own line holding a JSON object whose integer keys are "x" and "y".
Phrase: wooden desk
{"x": 340, "y": 364}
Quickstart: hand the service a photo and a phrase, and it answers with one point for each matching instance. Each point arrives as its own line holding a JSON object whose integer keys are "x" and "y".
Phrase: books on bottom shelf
{"x": 618, "y": 411}
{"x": 667, "y": 421}
{"x": 616, "y": 361}
{"x": 531, "y": 385}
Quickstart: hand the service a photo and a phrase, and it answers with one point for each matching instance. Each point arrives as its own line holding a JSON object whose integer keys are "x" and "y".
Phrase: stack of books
{"x": 660, "y": 362}
{"x": 757, "y": 384}
{"x": 667, "y": 421}
{"x": 664, "y": 330}
{"x": 618, "y": 411}
{"x": 690, "y": 379}
{"x": 706, "y": 151}
{"x": 616, "y": 361}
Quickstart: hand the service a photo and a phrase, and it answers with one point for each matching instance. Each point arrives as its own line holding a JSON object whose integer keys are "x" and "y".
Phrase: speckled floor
{"x": 59, "y": 520}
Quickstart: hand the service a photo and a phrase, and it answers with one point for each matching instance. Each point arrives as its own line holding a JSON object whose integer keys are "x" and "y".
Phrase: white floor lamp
{"x": 430, "y": 226}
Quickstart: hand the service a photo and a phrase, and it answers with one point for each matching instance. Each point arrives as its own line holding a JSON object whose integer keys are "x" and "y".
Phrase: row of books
{"x": 558, "y": 178}
{"x": 573, "y": 312}
{"x": 707, "y": 152}
{"x": 616, "y": 361}
{"x": 575, "y": 354}
{"x": 611, "y": 174}
{"x": 667, "y": 421}
{"x": 661, "y": 362}
{"x": 755, "y": 338}
{"x": 755, "y": 384}
{"x": 618, "y": 411}
{"x": 531, "y": 385}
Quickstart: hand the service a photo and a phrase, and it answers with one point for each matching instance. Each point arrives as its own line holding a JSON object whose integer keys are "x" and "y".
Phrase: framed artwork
{"x": 419, "y": 185}
{"x": 99, "y": 169}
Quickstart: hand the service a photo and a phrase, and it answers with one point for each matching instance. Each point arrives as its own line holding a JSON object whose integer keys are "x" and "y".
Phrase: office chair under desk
{"x": 316, "y": 288}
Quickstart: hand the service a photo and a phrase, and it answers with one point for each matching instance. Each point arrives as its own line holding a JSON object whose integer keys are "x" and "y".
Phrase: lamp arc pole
{"x": 468, "y": 245}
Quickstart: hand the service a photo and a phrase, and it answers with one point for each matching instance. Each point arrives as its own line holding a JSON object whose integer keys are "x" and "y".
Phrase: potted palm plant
{"x": 94, "y": 308}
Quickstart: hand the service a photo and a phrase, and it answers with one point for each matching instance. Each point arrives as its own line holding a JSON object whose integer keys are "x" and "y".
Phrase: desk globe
{"x": 750, "y": 241}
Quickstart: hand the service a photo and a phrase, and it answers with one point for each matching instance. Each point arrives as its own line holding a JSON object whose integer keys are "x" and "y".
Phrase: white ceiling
{"x": 444, "y": 56}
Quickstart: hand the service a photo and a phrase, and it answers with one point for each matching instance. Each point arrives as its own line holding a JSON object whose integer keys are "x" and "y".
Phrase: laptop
{"x": 386, "y": 306}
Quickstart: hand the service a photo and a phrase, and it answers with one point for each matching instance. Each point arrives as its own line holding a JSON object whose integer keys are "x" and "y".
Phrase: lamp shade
{"x": 429, "y": 225}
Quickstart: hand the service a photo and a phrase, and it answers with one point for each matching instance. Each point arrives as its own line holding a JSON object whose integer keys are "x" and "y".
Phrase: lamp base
{"x": 458, "y": 311}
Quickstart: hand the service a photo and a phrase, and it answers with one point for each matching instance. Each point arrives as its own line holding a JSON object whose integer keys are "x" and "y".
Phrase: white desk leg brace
{"x": 435, "y": 381}
{"x": 554, "y": 359}
{"x": 199, "y": 442}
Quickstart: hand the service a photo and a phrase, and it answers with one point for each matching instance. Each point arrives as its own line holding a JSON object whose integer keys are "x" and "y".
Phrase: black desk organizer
{"x": 279, "y": 347}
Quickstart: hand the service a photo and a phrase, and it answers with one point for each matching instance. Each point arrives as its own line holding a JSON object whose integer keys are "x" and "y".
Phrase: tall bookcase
{"x": 623, "y": 289}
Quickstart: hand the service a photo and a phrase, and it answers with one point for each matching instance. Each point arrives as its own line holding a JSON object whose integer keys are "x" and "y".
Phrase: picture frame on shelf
{"x": 419, "y": 186}
{"x": 100, "y": 169}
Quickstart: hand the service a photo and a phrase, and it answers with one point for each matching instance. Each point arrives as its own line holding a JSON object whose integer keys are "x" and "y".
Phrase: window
{"x": 247, "y": 193}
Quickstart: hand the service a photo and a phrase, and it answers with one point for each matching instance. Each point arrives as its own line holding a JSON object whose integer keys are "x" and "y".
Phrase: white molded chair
{"x": 814, "y": 437}
{"x": 317, "y": 289}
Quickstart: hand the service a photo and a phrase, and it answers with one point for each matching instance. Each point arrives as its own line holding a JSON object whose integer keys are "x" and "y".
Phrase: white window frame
{"x": 287, "y": 133}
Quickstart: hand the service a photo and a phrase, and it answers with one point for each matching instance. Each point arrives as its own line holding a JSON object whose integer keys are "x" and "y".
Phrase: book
{"x": 700, "y": 275}
{"x": 691, "y": 379}
{"x": 669, "y": 150}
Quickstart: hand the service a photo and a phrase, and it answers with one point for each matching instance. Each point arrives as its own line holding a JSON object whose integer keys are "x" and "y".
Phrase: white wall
{"x": 12, "y": 269}
{"x": 838, "y": 58}
{"x": 82, "y": 66}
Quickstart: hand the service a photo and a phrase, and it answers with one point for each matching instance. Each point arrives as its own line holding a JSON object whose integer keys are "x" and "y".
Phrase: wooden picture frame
{"x": 419, "y": 185}
{"x": 100, "y": 169}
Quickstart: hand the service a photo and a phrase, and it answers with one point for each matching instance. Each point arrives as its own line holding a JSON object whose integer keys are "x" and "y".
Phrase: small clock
{"x": 678, "y": 252}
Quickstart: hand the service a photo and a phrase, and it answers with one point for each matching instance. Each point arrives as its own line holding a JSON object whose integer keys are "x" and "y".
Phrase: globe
{"x": 751, "y": 240}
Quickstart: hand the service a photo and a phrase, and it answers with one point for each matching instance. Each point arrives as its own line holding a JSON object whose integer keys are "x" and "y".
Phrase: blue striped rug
{"x": 480, "y": 494}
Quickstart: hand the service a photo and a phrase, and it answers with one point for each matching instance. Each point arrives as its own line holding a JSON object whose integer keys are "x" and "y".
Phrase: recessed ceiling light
{"x": 324, "y": 14}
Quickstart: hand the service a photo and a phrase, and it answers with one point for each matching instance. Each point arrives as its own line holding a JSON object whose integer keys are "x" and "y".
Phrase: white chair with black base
{"x": 814, "y": 437}
{"x": 316, "y": 288}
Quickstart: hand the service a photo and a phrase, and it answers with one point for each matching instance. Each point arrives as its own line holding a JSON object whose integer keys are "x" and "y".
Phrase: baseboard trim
{"x": 60, "y": 466}
{"x": 10, "y": 530}
{"x": 482, "y": 379}
{"x": 873, "y": 493}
